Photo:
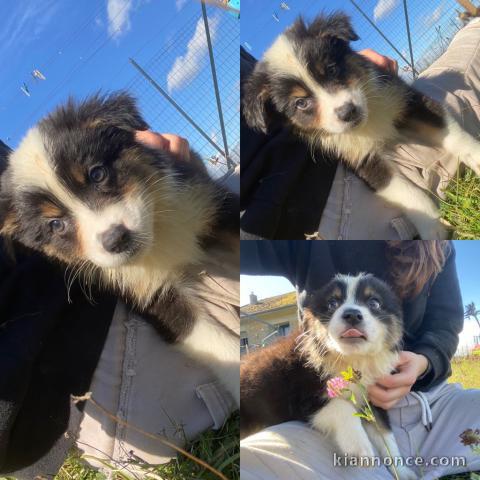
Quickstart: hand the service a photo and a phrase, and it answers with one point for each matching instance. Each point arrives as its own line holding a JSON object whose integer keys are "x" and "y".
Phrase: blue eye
{"x": 373, "y": 303}
{"x": 57, "y": 225}
{"x": 98, "y": 174}
{"x": 302, "y": 103}
{"x": 332, "y": 304}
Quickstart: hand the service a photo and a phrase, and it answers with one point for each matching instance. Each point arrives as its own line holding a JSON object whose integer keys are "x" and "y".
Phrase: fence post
{"x": 215, "y": 85}
{"x": 405, "y": 9}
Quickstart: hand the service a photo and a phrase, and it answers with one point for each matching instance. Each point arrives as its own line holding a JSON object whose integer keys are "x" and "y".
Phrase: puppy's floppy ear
{"x": 256, "y": 93}
{"x": 336, "y": 25}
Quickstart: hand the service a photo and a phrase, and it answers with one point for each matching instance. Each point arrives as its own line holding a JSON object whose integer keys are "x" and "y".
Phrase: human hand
{"x": 391, "y": 388}
{"x": 382, "y": 61}
{"x": 165, "y": 141}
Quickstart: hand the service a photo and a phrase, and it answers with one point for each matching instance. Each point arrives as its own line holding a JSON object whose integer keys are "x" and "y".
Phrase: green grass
{"x": 220, "y": 449}
{"x": 461, "y": 206}
{"x": 466, "y": 371}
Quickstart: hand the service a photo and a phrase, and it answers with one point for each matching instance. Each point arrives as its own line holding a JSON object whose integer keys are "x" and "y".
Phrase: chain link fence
{"x": 176, "y": 89}
{"x": 413, "y": 32}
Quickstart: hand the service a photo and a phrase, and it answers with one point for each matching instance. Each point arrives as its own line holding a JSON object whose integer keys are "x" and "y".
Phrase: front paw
{"x": 432, "y": 229}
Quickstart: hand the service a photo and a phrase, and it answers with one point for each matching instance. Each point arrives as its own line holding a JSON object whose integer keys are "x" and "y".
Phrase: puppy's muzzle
{"x": 352, "y": 317}
{"x": 349, "y": 113}
{"x": 117, "y": 239}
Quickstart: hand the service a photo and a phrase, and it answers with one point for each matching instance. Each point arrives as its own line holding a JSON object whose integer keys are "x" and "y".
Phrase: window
{"x": 283, "y": 329}
{"x": 476, "y": 339}
{"x": 244, "y": 342}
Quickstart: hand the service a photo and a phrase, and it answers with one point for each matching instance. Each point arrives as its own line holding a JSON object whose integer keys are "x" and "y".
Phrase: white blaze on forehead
{"x": 31, "y": 167}
{"x": 282, "y": 58}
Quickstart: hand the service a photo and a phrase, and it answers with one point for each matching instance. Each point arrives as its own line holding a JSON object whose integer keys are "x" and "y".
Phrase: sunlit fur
{"x": 176, "y": 217}
{"x": 313, "y": 63}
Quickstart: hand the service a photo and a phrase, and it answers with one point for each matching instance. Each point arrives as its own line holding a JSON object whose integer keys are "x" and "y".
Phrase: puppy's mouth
{"x": 353, "y": 335}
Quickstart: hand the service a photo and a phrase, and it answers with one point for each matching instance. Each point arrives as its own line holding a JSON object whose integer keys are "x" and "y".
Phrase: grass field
{"x": 221, "y": 449}
{"x": 466, "y": 371}
{"x": 461, "y": 206}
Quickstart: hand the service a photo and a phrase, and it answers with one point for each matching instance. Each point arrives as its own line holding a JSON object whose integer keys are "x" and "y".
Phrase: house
{"x": 263, "y": 321}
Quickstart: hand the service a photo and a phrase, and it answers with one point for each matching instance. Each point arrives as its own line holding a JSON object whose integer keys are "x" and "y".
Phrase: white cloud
{"x": 435, "y": 16}
{"x": 383, "y": 8}
{"x": 118, "y": 12}
{"x": 180, "y": 4}
{"x": 186, "y": 67}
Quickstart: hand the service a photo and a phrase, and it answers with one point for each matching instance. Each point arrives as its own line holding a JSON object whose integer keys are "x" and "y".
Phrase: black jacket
{"x": 49, "y": 349}
{"x": 432, "y": 320}
{"x": 283, "y": 189}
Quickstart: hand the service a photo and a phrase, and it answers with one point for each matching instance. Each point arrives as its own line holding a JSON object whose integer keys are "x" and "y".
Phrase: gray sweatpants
{"x": 294, "y": 451}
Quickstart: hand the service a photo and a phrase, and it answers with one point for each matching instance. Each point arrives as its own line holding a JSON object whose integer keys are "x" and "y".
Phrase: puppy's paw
{"x": 432, "y": 229}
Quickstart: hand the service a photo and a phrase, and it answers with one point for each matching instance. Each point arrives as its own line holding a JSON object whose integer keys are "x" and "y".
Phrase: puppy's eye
{"x": 331, "y": 69}
{"x": 373, "y": 303}
{"x": 56, "y": 225}
{"x": 302, "y": 103}
{"x": 332, "y": 304}
{"x": 98, "y": 174}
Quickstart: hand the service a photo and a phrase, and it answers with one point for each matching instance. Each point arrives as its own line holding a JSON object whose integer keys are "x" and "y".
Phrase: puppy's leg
{"x": 397, "y": 189}
{"x": 429, "y": 122}
{"x": 336, "y": 419}
{"x": 219, "y": 349}
{"x": 386, "y": 445}
{"x": 178, "y": 321}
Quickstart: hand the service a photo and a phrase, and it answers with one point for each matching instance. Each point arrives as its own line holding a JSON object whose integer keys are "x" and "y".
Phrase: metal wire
{"x": 181, "y": 68}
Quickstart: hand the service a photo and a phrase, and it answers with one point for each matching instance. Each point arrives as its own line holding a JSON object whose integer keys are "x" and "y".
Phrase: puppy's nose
{"x": 348, "y": 112}
{"x": 116, "y": 239}
{"x": 352, "y": 316}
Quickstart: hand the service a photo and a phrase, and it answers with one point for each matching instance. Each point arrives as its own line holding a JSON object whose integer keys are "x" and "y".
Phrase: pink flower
{"x": 335, "y": 386}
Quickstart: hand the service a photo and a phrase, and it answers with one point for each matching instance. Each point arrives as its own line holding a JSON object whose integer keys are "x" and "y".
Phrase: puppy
{"x": 338, "y": 101}
{"x": 83, "y": 191}
{"x": 352, "y": 321}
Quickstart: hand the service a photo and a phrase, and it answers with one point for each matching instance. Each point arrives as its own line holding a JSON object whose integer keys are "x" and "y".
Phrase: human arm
{"x": 437, "y": 340}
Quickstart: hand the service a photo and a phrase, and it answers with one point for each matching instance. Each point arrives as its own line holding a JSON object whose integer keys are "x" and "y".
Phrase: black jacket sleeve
{"x": 442, "y": 323}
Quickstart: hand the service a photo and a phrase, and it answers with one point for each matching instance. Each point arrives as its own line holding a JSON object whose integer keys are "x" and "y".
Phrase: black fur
{"x": 279, "y": 384}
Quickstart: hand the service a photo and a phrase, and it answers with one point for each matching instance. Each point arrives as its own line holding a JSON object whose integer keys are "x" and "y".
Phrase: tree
{"x": 471, "y": 311}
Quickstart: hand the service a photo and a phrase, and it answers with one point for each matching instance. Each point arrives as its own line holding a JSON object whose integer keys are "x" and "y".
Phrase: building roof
{"x": 271, "y": 303}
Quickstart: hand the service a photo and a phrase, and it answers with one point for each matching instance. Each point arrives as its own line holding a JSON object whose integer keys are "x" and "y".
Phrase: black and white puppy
{"x": 342, "y": 103}
{"x": 82, "y": 190}
{"x": 351, "y": 322}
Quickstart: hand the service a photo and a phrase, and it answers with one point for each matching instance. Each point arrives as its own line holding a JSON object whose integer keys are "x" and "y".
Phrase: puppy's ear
{"x": 120, "y": 110}
{"x": 115, "y": 110}
{"x": 336, "y": 25}
{"x": 256, "y": 93}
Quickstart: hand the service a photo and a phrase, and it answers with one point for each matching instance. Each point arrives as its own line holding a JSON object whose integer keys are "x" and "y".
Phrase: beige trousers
{"x": 454, "y": 80}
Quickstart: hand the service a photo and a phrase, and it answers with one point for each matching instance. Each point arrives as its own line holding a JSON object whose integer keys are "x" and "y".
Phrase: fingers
{"x": 382, "y": 61}
{"x": 165, "y": 141}
{"x": 386, "y": 398}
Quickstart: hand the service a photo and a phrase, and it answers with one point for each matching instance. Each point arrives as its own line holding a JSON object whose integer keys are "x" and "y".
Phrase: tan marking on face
{"x": 299, "y": 91}
{"x": 369, "y": 292}
{"x": 9, "y": 224}
{"x": 78, "y": 174}
{"x": 337, "y": 293}
{"x": 50, "y": 210}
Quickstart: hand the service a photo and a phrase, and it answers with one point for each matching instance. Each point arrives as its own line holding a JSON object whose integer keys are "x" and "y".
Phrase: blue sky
{"x": 82, "y": 47}
{"x": 259, "y": 27}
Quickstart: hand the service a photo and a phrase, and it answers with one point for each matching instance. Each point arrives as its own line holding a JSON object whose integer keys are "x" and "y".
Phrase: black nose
{"x": 348, "y": 112}
{"x": 116, "y": 239}
{"x": 352, "y": 316}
